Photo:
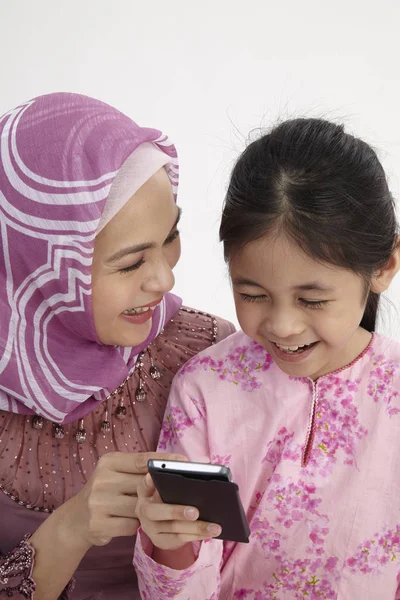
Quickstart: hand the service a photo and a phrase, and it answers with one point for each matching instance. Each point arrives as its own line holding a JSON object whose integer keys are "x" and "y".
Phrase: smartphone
{"x": 204, "y": 471}
{"x": 209, "y": 488}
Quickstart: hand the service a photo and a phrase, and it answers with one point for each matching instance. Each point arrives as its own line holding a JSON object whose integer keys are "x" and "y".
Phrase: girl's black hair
{"x": 324, "y": 188}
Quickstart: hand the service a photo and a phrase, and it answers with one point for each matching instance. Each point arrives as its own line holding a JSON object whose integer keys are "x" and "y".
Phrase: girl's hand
{"x": 169, "y": 526}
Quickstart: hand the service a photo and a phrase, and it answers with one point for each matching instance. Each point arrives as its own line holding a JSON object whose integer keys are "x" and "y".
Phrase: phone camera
{"x": 163, "y": 466}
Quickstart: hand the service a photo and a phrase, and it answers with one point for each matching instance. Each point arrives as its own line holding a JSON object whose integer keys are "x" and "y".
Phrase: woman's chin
{"x": 128, "y": 335}
{"x": 134, "y": 335}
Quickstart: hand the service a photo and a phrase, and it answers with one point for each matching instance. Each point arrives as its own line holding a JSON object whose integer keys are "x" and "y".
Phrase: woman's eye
{"x": 312, "y": 303}
{"x": 248, "y": 298}
{"x": 132, "y": 267}
{"x": 172, "y": 237}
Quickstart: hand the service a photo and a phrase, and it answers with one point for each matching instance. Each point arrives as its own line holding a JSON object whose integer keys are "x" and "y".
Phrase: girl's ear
{"x": 382, "y": 280}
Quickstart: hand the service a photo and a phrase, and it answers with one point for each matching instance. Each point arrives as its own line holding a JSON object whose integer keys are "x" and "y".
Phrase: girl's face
{"x": 305, "y": 314}
{"x": 132, "y": 263}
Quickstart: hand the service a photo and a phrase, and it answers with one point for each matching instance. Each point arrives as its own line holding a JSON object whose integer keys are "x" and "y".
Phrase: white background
{"x": 207, "y": 72}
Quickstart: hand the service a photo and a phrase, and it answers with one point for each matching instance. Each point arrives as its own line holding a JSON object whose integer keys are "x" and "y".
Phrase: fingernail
{"x": 214, "y": 529}
{"x": 191, "y": 513}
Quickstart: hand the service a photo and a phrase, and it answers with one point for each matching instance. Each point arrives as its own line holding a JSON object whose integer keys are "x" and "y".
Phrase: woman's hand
{"x": 103, "y": 509}
{"x": 169, "y": 526}
{"x": 106, "y": 505}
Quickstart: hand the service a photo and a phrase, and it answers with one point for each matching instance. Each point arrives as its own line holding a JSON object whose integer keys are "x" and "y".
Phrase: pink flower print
{"x": 377, "y": 552}
{"x": 266, "y": 535}
{"x": 250, "y": 594}
{"x": 282, "y": 447}
{"x": 240, "y": 367}
{"x": 311, "y": 579}
{"x": 174, "y": 424}
{"x": 220, "y": 459}
{"x": 308, "y": 382}
{"x": 199, "y": 362}
{"x": 314, "y": 575}
{"x": 337, "y": 426}
{"x": 257, "y": 500}
{"x": 243, "y": 593}
{"x": 157, "y": 583}
{"x": 285, "y": 504}
{"x": 381, "y": 383}
{"x": 167, "y": 587}
{"x": 292, "y": 501}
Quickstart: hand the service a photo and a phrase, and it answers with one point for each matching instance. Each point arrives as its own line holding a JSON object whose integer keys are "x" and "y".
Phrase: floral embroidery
{"x": 158, "y": 582}
{"x": 219, "y": 459}
{"x": 307, "y": 578}
{"x": 240, "y": 367}
{"x": 289, "y": 503}
{"x": 375, "y": 553}
{"x": 294, "y": 502}
{"x": 269, "y": 539}
{"x": 282, "y": 447}
{"x": 298, "y": 547}
{"x": 381, "y": 379}
{"x": 174, "y": 424}
{"x": 337, "y": 426}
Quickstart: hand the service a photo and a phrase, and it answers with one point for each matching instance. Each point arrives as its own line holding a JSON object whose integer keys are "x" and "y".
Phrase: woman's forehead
{"x": 147, "y": 216}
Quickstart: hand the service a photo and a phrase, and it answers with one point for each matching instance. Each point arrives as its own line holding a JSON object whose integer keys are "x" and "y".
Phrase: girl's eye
{"x": 247, "y": 298}
{"x": 312, "y": 303}
{"x": 132, "y": 267}
{"x": 172, "y": 237}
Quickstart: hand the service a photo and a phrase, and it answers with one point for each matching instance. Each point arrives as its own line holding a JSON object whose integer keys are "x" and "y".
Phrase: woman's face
{"x": 134, "y": 256}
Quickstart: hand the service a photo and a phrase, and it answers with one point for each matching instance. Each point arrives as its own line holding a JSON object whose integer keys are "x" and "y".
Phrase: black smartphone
{"x": 207, "y": 487}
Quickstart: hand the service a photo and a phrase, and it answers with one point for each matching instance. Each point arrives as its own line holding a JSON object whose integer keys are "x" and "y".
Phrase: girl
{"x": 90, "y": 338}
{"x": 304, "y": 403}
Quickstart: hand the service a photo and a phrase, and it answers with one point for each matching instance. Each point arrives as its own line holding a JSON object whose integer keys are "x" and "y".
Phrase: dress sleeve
{"x": 184, "y": 431}
{"x": 16, "y": 573}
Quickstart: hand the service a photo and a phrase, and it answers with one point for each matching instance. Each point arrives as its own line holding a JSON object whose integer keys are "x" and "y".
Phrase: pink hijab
{"x": 59, "y": 157}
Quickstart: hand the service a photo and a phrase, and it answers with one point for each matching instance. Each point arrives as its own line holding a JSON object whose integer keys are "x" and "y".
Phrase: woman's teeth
{"x": 138, "y": 311}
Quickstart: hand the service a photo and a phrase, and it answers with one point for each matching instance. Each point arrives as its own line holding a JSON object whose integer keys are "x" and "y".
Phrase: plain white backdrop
{"x": 207, "y": 73}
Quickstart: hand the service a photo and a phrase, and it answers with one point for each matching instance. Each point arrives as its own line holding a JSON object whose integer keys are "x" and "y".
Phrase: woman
{"x": 90, "y": 340}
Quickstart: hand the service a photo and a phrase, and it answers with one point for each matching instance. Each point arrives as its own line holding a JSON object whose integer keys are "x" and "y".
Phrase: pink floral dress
{"x": 318, "y": 467}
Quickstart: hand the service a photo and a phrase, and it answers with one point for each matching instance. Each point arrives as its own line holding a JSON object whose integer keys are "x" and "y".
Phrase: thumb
{"x": 146, "y": 488}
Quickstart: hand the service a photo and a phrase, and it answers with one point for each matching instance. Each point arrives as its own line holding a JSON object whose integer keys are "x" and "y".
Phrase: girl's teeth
{"x": 291, "y": 348}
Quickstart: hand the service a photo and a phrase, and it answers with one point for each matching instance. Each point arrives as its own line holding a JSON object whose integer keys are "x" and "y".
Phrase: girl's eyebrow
{"x": 314, "y": 286}
{"x": 304, "y": 287}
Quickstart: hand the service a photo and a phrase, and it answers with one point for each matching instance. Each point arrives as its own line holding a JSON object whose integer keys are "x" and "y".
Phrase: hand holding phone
{"x": 207, "y": 487}
{"x": 170, "y": 526}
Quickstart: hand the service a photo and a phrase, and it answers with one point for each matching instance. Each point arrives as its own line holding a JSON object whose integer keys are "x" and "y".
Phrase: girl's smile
{"x": 305, "y": 313}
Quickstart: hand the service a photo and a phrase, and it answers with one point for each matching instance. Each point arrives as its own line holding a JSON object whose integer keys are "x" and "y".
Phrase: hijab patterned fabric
{"x": 59, "y": 155}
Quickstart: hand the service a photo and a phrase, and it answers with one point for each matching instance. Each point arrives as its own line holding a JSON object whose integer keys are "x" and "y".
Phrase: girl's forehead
{"x": 276, "y": 259}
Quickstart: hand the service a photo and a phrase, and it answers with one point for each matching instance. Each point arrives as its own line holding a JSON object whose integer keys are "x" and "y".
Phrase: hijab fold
{"x": 68, "y": 163}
